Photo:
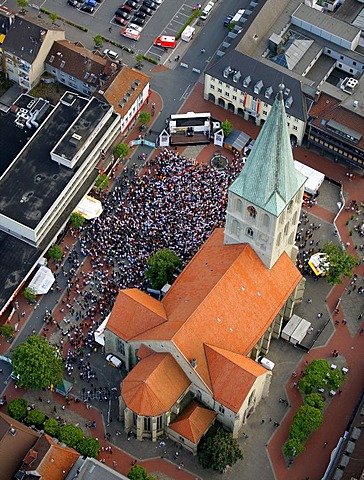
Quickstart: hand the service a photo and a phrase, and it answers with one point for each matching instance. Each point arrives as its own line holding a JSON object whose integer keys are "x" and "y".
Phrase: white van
{"x": 110, "y": 53}
{"x": 266, "y": 363}
{"x": 207, "y": 10}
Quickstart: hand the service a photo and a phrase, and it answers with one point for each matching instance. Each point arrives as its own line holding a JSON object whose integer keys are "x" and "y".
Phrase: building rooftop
{"x": 92, "y": 469}
{"x": 269, "y": 178}
{"x": 252, "y": 72}
{"x": 35, "y": 181}
{"x": 323, "y": 21}
{"x": 193, "y": 422}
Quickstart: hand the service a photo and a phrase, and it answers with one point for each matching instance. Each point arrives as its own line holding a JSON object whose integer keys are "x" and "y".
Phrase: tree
{"x": 22, "y": 4}
{"x": 308, "y": 418}
{"x": 30, "y": 294}
{"x": 139, "y": 59}
{"x": 231, "y": 26}
{"x": 7, "y": 330}
{"x": 17, "y": 408}
{"x": 293, "y": 447}
{"x": 335, "y": 379}
{"x": 102, "y": 182}
{"x": 51, "y": 427}
{"x": 139, "y": 473}
{"x": 337, "y": 263}
{"x": 144, "y": 118}
{"x": 35, "y": 417}
{"x": 121, "y": 150}
{"x": 55, "y": 252}
{"x": 77, "y": 220}
{"x": 315, "y": 377}
{"x": 70, "y": 435}
{"x": 226, "y": 127}
{"x": 161, "y": 266}
{"x": 53, "y": 16}
{"x": 219, "y": 451}
{"x": 88, "y": 447}
{"x": 315, "y": 400}
{"x": 98, "y": 39}
{"x": 37, "y": 364}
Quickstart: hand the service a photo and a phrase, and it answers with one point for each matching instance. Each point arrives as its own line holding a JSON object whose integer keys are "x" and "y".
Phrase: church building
{"x": 192, "y": 357}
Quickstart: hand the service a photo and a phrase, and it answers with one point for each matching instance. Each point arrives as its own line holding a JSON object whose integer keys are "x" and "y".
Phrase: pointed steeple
{"x": 269, "y": 178}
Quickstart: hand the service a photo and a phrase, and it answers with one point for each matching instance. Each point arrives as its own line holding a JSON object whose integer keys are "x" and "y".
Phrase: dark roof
{"x": 9, "y": 150}
{"x": 76, "y": 60}
{"x": 259, "y": 71}
{"x": 35, "y": 181}
{"x": 237, "y": 139}
{"x": 15, "y": 441}
{"x": 24, "y": 39}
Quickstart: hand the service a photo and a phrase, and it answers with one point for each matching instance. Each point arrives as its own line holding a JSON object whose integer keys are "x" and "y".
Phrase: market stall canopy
{"x": 237, "y": 140}
{"x": 99, "y": 333}
{"x": 318, "y": 264}
{"x": 89, "y": 207}
{"x": 314, "y": 177}
{"x": 64, "y": 388}
{"x": 42, "y": 281}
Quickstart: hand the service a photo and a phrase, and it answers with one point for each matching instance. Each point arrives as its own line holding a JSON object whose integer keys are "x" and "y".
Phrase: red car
{"x": 121, "y": 21}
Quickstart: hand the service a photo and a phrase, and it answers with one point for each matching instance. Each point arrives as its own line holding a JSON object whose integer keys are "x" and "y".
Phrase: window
{"x": 296, "y": 120}
{"x": 221, "y": 409}
{"x": 147, "y": 424}
{"x": 212, "y": 79}
{"x": 239, "y": 205}
{"x": 235, "y": 228}
{"x": 295, "y": 127}
{"x": 250, "y": 232}
{"x": 235, "y": 89}
{"x": 265, "y": 112}
{"x": 329, "y": 51}
{"x": 252, "y": 211}
{"x": 266, "y": 105}
{"x": 212, "y": 87}
{"x": 288, "y": 124}
{"x": 341, "y": 57}
{"x": 279, "y": 239}
{"x": 286, "y": 228}
{"x": 135, "y": 419}
{"x": 241, "y": 101}
{"x": 181, "y": 439}
{"x": 51, "y": 59}
{"x": 354, "y": 63}
{"x": 121, "y": 347}
{"x": 234, "y": 97}
{"x": 227, "y": 87}
{"x": 289, "y": 206}
{"x": 219, "y": 90}
{"x": 220, "y": 82}
{"x": 63, "y": 63}
{"x": 159, "y": 423}
{"x": 294, "y": 218}
{"x": 227, "y": 94}
{"x": 266, "y": 221}
{"x": 251, "y": 397}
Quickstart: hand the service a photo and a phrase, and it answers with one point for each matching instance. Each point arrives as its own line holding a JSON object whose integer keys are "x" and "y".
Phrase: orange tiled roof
{"x": 154, "y": 385}
{"x": 223, "y": 367}
{"x": 144, "y": 351}
{"x": 57, "y": 460}
{"x": 135, "y": 312}
{"x": 119, "y": 86}
{"x": 193, "y": 422}
{"x": 329, "y": 108}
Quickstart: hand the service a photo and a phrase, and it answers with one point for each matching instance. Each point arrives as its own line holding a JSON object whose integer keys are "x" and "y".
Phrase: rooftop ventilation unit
{"x": 246, "y": 82}
{"x": 12, "y": 431}
{"x": 194, "y": 362}
{"x": 137, "y": 82}
{"x": 75, "y": 139}
{"x": 348, "y": 85}
{"x": 236, "y": 76}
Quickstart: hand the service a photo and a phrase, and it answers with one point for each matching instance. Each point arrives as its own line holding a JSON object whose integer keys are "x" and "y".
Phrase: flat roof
{"x": 85, "y": 124}
{"x": 326, "y": 22}
{"x": 35, "y": 181}
{"x": 9, "y": 150}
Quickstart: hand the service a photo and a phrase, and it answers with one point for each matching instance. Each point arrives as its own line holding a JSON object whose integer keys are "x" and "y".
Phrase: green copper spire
{"x": 269, "y": 178}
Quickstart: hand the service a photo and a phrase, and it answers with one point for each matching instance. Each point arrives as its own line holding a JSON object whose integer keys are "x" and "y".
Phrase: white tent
{"x": 89, "y": 207}
{"x": 42, "y": 281}
{"x": 99, "y": 333}
{"x": 314, "y": 177}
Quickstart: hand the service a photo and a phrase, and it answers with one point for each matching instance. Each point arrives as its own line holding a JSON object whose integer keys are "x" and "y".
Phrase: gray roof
{"x": 257, "y": 71}
{"x": 269, "y": 178}
{"x": 91, "y": 469}
{"x": 325, "y": 22}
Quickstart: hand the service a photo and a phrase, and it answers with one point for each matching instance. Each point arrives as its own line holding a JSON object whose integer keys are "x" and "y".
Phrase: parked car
{"x": 138, "y": 28}
{"x": 138, "y": 21}
{"x": 228, "y": 20}
{"x": 132, "y": 4}
{"x": 91, "y": 3}
{"x": 87, "y": 9}
{"x": 146, "y": 10}
{"x": 151, "y": 5}
{"x": 121, "y": 13}
{"x": 139, "y": 14}
{"x": 126, "y": 8}
{"x": 113, "y": 361}
{"x": 73, "y": 3}
{"x": 110, "y": 53}
{"x": 120, "y": 21}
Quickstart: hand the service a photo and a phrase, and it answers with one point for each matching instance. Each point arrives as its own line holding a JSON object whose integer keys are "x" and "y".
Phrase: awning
{"x": 318, "y": 264}
{"x": 99, "y": 333}
{"x": 42, "y": 281}
{"x": 89, "y": 207}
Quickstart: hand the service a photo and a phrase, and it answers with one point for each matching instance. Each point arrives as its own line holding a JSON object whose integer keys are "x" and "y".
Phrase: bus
{"x": 165, "y": 41}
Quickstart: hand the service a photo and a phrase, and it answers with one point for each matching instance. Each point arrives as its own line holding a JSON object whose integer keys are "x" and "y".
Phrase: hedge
{"x": 194, "y": 15}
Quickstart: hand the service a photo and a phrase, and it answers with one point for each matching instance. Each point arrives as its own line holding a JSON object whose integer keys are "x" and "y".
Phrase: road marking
{"x": 185, "y": 93}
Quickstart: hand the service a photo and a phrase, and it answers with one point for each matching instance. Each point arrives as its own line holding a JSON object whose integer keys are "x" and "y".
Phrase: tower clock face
{"x": 252, "y": 210}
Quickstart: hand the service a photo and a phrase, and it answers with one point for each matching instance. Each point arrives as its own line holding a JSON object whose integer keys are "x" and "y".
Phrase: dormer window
{"x": 63, "y": 63}
{"x": 51, "y": 59}
{"x": 252, "y": 211}
{"x": 257, "y": 87}
{"x": 289, "y": 102}
{"x": 268, "y": 92}
{"x": 246, "y": 81}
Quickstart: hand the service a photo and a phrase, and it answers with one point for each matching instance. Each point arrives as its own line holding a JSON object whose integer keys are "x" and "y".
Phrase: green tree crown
{"x": 37, "y": 363}
{"x": 161, "y": 266}
{"x": 7, "y": 330}
{"x": 293, "y": 447}
{"x": 219, "y": 451}
{"x": 338, "y": 263}
{"x": 226, "y": 127}
{"x": 315, "y": 400}
{"x": 30, "y": 294}
{"x": 17, "y": 408}
{"x": 102, "y": 181}
{"x": 51, "y": 427}
{"x": 77, "y": 220}
{"x": 88, "y": 447}
{"x": 55, "y": 252}
{"x": 35, "y": 417}
{"x": 70, "y": 435}
{"x": 139, "y": 473}
{"x": 121, "y": 150}
{"x": 144, "y": 117}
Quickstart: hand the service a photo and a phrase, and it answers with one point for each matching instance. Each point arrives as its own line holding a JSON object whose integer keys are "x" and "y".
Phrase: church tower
{"x": 265, "y": 200}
